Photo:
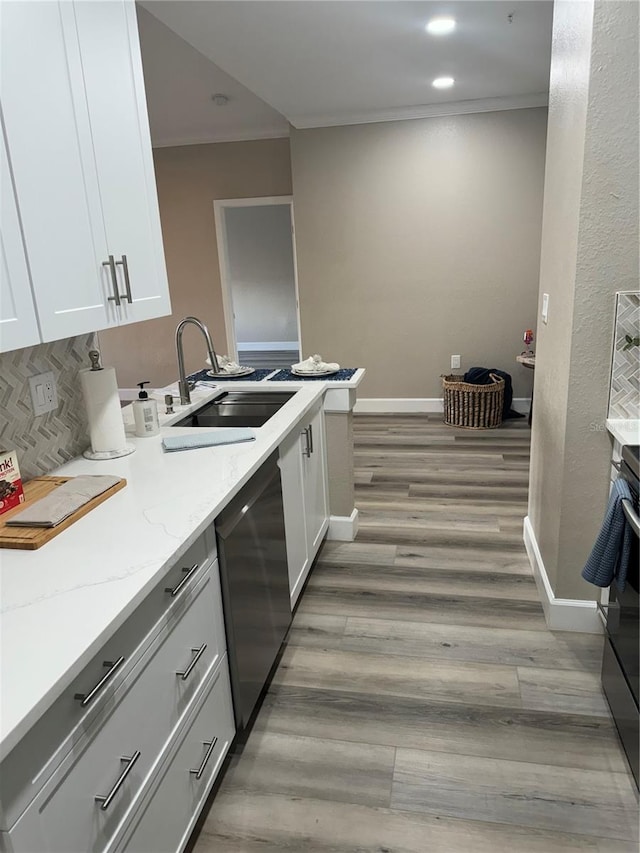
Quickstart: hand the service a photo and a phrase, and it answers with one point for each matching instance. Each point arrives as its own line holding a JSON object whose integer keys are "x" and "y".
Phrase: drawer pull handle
{"x": 212, "y": 745}
{"x": 111, "y": 263}
{"x": 86, "y": 698}
{"x": 307, "y": 445}
{"x": 176, "y": 589}
{"x": 127, "y": 283}
{"x": 106, "y": 799}
{"x": 198, "y": 654}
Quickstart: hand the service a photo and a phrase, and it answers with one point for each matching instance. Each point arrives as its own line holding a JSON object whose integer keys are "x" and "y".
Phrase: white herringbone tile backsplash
{"x": 45, "y": 442}
{"x": 624, "y": 401}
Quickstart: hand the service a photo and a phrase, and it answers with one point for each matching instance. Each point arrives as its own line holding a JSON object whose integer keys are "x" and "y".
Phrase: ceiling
{"x": 329, "y": 62}
{"x": 179, "y": 83}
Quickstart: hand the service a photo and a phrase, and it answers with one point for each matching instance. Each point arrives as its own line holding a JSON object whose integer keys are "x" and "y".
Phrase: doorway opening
{"x": 258, "y": 274}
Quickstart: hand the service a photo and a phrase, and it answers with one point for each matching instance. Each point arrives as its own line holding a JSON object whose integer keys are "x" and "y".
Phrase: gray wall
{"x": 417, "y": 240}
{"x": 589, "y": 251}
{"x": 261, "y": 273}
{"x": 44, "y": 442}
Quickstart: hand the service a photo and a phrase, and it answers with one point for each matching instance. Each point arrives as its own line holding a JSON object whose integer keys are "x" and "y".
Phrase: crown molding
{"x": 479, "y": 105}
{"x": 210, "y": 139}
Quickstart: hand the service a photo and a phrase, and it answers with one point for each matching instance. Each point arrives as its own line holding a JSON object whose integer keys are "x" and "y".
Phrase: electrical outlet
{"x": 44, "y": 394}
{"x": 455, "y": 361}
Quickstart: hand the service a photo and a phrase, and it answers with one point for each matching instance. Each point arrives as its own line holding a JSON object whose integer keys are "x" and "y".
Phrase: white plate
{"x": 314, "y": 372}
{"x": 244, "y": 371}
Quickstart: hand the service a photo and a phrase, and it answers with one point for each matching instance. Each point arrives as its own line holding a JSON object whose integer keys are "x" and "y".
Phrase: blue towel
{"x": 610, "y": 556}
{"x": 207, "y": 439}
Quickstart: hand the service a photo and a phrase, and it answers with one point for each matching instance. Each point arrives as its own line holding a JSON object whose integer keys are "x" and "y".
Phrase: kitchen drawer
{"x": 150, "y": 705}
{"x": 168, "y": 816}
{"x": 27, "y": 767}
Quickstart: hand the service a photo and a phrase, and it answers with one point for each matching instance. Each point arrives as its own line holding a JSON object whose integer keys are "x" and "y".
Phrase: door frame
{"x": 219, "y": 206}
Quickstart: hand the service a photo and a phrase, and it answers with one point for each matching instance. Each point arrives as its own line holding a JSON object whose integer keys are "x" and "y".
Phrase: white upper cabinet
{"x": 112, "y": 67}
{"x": 49, "y": 141}
{"x": 18, "y": 323}
{"x": 73, "y": 103}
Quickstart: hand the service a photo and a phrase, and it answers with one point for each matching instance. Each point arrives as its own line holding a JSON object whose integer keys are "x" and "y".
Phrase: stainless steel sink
{"x": 237, "y": 408}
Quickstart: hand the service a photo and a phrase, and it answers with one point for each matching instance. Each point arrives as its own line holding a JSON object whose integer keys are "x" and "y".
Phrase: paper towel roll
{"x": 106, "y": 426}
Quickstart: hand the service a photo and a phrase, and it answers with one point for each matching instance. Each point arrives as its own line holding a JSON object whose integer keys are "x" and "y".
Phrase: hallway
{"x": 421, "y": 703}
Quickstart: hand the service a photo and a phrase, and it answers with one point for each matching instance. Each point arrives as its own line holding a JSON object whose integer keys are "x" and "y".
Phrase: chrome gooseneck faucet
{"x": 183, "y": 384}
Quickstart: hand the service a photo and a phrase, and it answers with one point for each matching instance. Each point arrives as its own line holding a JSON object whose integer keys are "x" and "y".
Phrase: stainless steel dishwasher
{"x": 255, "y": 584}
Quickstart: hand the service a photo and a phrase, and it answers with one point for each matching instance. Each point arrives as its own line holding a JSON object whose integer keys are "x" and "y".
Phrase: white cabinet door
{"x": 150, "y": 711}
{"x": 49, "y": 141}
{"x": 315, "y": 482}
{"x": 294, "y": 512}
{"x": 112, "y": 68}
{"x": 73, "y": 103}
{"x": 18, "y": 323}
{"x": 167, "y": 820}
{"x": 303, "y": 466}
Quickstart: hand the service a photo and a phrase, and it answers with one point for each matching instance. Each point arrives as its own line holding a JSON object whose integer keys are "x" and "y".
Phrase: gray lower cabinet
{"x": 115, "y": 774}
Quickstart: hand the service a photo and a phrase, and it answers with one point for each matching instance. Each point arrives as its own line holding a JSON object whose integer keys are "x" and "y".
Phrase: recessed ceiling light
{"x": 443, "y": 82}
{"x": 441, "y": 26}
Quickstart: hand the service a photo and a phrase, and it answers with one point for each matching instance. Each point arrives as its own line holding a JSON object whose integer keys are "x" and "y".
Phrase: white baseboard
{"x": 343, "y": 528}
{"x": 398, "y": 405}
{"x": 521, "y": 404}
{"x": 562, "y": 614}
{"x": 265, "y": 346}
{"x": 407, "y": 405}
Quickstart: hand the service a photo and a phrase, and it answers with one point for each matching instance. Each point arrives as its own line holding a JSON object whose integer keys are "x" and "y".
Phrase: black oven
{"x": 621, "y": 660}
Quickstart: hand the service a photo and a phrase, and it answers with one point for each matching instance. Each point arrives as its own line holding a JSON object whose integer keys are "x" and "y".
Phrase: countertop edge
{"x": 624, "y": 430}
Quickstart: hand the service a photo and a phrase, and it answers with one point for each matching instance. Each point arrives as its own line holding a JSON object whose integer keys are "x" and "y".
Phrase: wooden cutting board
{"x": 30, "y": 538}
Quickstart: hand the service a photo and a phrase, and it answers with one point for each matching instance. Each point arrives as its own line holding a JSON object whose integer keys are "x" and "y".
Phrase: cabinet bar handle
{"x": 307, "y": 447}
{"x": 212, "y": 745}
{"x": 310, "y": 439}
{"x": 105, "y": 800}
{"x": 176, "y": 589}
{"x": 111, "y": 263}
{"x": 86, "y": 698}
{"x": 198, "y": 654}
{"x": 127, "y": 283}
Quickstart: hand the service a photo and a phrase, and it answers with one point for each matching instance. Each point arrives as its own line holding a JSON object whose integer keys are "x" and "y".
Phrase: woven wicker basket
{"x": 473, "y": 406}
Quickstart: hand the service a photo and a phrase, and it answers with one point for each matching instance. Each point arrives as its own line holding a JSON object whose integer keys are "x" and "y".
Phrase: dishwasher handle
{"x": 241, "y": 504}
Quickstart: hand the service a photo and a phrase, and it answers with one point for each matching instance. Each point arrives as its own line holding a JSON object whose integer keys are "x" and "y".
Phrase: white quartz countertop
{"x": 624, "y": 430}
{"x": 63, "y": 601}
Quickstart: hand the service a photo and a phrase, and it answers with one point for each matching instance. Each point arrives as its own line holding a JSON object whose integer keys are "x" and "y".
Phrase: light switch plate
{"x": 455, "y": 361}
{"x": 545, "y": 308}
{"x": 44, "y": 394}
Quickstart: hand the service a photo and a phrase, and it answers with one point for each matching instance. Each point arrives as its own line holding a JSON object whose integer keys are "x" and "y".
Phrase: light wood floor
{"x": 421, "y": 705}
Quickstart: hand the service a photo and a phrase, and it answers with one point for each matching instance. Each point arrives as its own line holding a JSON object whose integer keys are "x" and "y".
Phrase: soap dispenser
{"x": 145, "y": 413}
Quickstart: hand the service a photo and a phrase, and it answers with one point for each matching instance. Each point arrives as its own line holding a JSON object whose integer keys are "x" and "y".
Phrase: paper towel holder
{"x": 94, "y": 358}
{"x": 102, "y": 455}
